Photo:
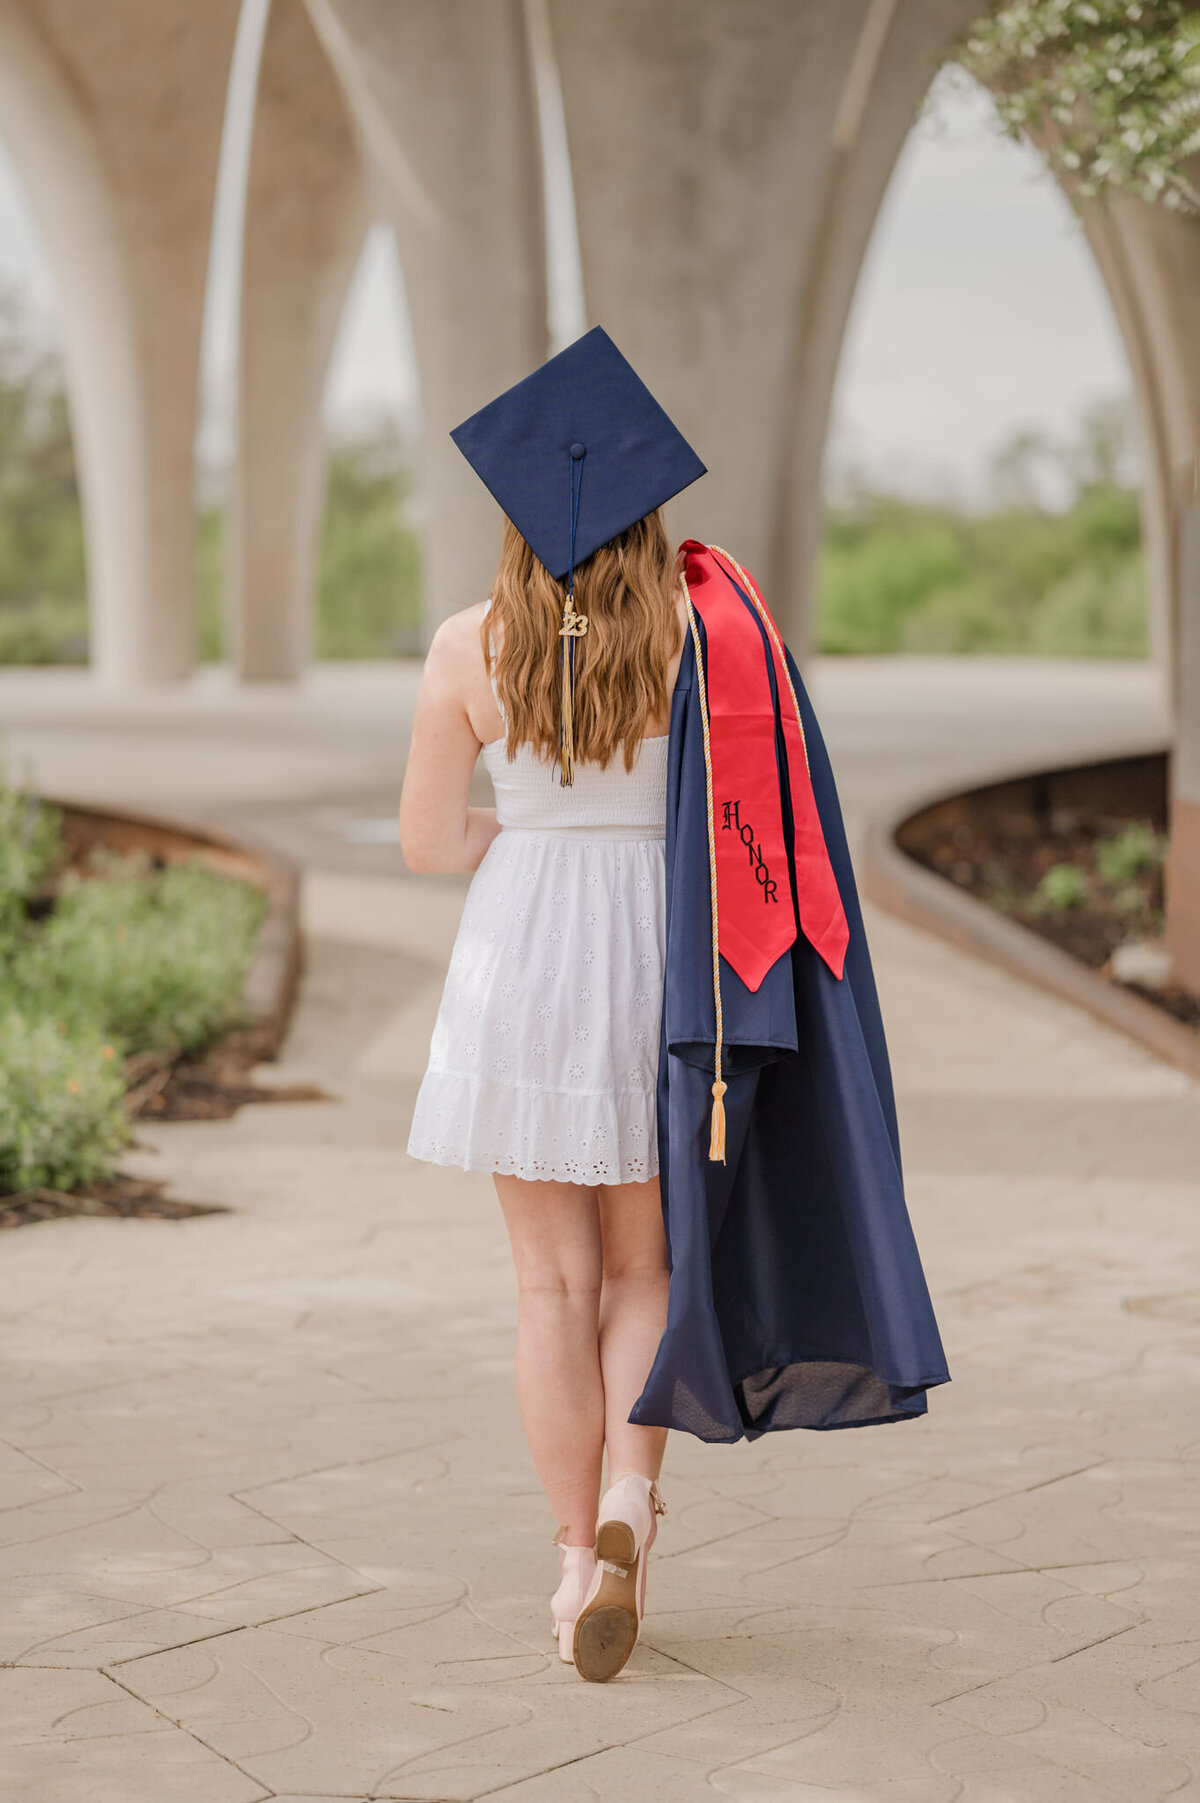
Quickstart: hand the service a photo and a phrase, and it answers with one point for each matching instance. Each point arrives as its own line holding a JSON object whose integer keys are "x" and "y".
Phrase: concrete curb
{"x": 270, "y": 986}
{"x": 898, "y": 884}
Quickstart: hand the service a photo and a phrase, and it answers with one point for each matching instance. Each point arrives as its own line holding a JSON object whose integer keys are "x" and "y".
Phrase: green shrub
{"x": 1095, "y": 607}
{"x": 368, "y": 587}
{"x": 61, "y": 1114}
{"x": 30, "y": 847}
{"x": 151, "y": 959}
{"x": 1126, "y": 854}
{"x": 368, "y": 565}
{"x": 871, "y": 583}
{"x": 50, "y": 629}
{"x": 1062, "y": 886}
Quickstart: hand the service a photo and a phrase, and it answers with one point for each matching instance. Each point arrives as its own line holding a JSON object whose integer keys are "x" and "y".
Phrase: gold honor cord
{"x": 716, "y": 1142}
{"x": 769, "y": 623}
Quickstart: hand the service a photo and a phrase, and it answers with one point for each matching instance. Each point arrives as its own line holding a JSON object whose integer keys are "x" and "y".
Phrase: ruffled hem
{"x": 583, "y": 1137}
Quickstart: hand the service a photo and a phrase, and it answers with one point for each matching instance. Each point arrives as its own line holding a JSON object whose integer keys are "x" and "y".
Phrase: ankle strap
{"x": 568, "y": 1546}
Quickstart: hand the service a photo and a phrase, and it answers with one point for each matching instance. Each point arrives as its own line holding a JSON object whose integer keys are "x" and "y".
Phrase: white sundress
{"x": 544, "y": 1055}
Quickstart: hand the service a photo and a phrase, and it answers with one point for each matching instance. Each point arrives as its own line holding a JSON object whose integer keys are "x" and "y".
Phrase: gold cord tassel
{"x": 573, "y": 627}
{"x": 716, "y": 1141}
{"x": 566, "y": 754}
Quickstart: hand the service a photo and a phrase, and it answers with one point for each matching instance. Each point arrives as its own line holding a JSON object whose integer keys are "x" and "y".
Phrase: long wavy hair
{"x": 627, "y": 589}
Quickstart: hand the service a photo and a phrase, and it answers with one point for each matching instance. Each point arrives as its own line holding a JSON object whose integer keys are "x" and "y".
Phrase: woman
{"x": 543, "y": 1061}
{"x": 666, "y": 863}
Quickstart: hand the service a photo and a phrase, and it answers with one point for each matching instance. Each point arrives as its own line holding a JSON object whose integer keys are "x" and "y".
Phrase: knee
{"x": 559, "y": 1289}
{"x": 642, "y": 1273}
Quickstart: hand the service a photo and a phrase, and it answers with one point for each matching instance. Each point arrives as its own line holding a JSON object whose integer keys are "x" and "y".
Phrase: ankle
{"x": 569, "y": 1539}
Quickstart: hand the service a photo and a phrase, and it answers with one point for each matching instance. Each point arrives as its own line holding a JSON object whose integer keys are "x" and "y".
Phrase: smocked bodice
{"x": 610, "y": 802}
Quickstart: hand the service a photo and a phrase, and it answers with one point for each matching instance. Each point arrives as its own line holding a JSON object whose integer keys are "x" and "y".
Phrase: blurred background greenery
{"x": 895, "y": 575}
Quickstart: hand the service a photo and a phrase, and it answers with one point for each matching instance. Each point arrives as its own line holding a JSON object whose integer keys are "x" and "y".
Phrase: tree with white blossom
{"x": 1107, "y": 90}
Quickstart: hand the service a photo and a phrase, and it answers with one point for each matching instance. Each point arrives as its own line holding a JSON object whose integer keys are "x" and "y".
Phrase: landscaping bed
{"x": 144, "y": 971}
{"x": 1076, "y": 856}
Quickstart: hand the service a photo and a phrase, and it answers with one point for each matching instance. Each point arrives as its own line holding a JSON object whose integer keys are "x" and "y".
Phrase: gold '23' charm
{"x": 574, "y": 625}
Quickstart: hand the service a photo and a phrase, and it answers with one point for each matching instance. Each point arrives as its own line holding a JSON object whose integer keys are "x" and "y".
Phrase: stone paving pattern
{"x": 270, "y": 1528}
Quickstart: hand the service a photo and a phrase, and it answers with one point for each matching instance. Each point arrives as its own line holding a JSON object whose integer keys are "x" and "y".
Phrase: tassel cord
{"x": 573, "y": 626}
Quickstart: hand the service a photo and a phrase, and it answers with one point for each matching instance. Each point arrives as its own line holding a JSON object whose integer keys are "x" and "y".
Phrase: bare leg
{"x": 633, "y": 1314}
{"x": 554, "y": 1229}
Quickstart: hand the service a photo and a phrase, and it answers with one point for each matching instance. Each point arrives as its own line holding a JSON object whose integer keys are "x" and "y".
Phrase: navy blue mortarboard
{"x": 575, "y": 454}
{"x": 588, "y": 407}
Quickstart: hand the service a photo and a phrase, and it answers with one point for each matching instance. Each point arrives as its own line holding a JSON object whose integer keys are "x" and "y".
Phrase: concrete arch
{"x": 305, "y": 221}
{"x": 118, "y": 154}
{"x": 729, "y": 158}
{"x": 442, "y": 97}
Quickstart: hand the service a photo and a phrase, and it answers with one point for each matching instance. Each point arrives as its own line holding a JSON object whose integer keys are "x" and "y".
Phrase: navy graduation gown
{"x": 797, "y": 1297}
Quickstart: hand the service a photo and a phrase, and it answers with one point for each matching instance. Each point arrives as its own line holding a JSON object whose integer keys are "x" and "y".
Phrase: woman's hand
{"x": 439, "y": 833}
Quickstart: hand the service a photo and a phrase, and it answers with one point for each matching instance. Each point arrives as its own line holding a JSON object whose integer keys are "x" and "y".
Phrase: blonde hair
{"x": 627, "y": 589}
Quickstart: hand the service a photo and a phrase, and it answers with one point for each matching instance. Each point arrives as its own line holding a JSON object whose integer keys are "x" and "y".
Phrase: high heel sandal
{"x": 577, "y": 1566}
{"x": 610, "y": 1618}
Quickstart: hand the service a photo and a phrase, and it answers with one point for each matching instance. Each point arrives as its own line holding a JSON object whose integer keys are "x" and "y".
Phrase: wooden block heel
{"x": 616, "y": 1543}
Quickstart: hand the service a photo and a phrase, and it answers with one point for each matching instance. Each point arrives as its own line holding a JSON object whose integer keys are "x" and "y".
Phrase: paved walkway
{"x": 271, "y": 1527}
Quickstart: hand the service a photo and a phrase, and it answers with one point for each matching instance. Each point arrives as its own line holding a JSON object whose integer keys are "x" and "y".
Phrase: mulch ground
{"x": 162, "y": 1087}
{"x": 1002, "y": 863}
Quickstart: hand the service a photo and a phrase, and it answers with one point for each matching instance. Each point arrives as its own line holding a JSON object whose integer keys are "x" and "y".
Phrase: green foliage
{"x": 1124, "y": 856}
{"x": 131, "y": 957}
{"x": 42, "y": 576}
{"x": 61, "y": 1114}
{"x": 1108, "y": 90}
{"x": 911, "y": 576}
{"x": 897, "y": 576}
{"x": 210, "y": 583}
{"x": 1062, "y": 886}
{"x": 874, "y": 575}
{"x": 368, "y": 591}
{"x": 1094, "y": 610}
{"x": 153, "y": 958}
{"x": 368, "y": 570}
{"x": 30, "y": 848}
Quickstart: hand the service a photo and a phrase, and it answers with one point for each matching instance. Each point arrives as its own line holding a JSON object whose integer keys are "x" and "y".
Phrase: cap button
{"x": 578, "y": 450}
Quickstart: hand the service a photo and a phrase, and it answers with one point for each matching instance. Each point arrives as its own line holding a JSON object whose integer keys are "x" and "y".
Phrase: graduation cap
{"x": 575, "y": 454}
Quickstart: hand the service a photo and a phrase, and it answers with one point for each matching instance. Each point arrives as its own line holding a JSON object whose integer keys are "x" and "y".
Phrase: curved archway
{"x": 118, "y": 157}
{"x": 981, "y": 476}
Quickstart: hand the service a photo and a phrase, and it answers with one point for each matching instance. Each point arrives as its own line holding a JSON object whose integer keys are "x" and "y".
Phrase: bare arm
{"x": 439, "y": 833}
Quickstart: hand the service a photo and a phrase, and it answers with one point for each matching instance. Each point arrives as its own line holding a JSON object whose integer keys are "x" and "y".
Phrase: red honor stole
{"x": 756, "y": 922}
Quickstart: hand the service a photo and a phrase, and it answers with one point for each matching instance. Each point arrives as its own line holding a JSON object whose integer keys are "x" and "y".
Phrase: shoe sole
{"x": 606, "y": 1631}
{"x": 605, "y": 1636}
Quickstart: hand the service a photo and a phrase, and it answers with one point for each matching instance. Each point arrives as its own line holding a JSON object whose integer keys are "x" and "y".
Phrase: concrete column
{"x": 442, "y": 95}
{"x": 1150, "y": 259}
{"x": 729, "y": 157}
{"x": 113, "y": 117}
{"x": 1183, "y": 869}
{"x": 1108, "y": 239}
{"x": 306, "y": 217}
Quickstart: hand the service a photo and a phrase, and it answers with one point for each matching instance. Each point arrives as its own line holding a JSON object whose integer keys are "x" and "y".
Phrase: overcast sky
{"x": 979, "y": 313}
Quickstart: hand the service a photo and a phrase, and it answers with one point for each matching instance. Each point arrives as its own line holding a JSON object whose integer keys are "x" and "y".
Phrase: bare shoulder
{"x": 458, "y": 634}
{"x": 455, "y": 656}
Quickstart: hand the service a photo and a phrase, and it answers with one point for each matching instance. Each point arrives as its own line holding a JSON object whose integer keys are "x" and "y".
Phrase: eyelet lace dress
{"x": 544, "y": 1056}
